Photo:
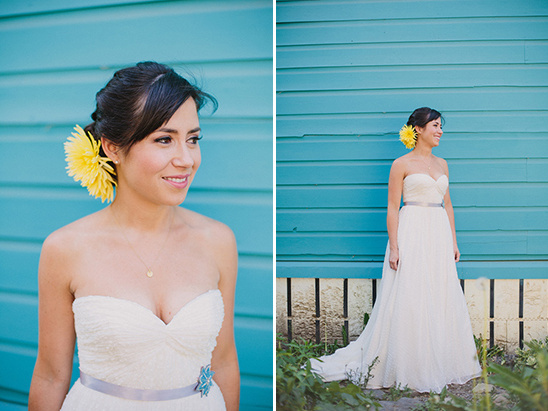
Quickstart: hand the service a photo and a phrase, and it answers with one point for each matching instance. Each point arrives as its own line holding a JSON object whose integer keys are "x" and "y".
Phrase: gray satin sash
{"x": 421, "y": 204}
{"x": 136, "y": 393}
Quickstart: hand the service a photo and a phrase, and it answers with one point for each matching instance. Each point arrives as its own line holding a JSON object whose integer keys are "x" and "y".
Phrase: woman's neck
{"x": 140, "y": 216}
{"x": 422, "y": 150}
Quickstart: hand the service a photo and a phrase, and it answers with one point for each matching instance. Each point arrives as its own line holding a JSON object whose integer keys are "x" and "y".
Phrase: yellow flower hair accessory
{"x": 408, "y": 136}
{"x": 87, "y": 166}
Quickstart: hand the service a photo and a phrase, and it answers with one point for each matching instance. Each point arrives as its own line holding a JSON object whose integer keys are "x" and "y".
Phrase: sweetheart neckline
{"x": 148, "y": 309}
{"x": 424, "y": 174}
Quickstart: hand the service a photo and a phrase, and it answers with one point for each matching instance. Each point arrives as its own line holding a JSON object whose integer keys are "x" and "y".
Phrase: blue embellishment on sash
{"x": 205, "y": 380}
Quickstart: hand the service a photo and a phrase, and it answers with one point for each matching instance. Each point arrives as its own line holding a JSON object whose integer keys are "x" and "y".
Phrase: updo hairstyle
{"x": 422, "y": 116}
{"x": 138, "y": 100}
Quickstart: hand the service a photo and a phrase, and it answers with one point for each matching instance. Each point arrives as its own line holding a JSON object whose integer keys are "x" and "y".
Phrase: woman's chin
{"x": 175, "y": 201}
{"x": 169, "y": 199}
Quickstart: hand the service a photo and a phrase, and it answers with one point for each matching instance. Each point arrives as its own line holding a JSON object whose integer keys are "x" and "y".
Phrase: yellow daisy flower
{"x": 408, "y": 136}
{"x": 87, "y": 166}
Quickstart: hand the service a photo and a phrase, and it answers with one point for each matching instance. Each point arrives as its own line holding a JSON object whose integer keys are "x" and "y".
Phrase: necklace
{"x": 429, "y": 164}
{"x": 150, "y": 273}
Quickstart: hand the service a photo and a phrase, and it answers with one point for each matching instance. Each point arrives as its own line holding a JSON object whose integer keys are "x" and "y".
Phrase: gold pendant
{"x": 149, "y": 273}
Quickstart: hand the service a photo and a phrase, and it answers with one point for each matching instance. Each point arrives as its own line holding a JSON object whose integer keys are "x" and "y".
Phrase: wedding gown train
{"x": 419, "y": 330}
{"x": 124, "y": 343}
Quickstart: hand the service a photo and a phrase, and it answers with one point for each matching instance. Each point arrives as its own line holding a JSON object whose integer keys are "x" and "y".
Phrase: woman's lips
{"x": 177, "y": 181}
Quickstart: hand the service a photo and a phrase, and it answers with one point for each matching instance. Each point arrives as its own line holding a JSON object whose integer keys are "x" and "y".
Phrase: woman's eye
{"x": 194, "y": 139}
{"x": 163, "y": 140}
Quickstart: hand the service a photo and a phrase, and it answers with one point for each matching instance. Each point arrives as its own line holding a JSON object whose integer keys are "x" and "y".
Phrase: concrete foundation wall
{"x": 511, "y": 311}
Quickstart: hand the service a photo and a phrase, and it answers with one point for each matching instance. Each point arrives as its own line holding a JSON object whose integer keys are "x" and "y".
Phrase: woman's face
{"x": 431, "y": 132}
{"x": 161, "y": 167}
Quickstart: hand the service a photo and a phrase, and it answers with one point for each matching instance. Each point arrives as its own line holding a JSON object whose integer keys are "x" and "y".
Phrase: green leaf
{"x": 349, "y": 399}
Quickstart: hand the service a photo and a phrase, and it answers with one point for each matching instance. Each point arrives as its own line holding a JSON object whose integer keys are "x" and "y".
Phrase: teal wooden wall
{"x": 349, "y": 75}
{"x": 56, "y": 55}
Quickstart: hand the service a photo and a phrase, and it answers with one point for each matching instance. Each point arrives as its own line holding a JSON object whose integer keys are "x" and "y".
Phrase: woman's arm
{"x": 225, "y": 359}
{"x": 395, "y": 186}
{"x": 451, "y": 215}
{"x": 52, "y": 372}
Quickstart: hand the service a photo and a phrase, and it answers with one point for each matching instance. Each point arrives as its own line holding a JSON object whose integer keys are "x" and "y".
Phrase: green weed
{"x": 528, "y": 384}
{"x": 528, "y": 356}
{"x": 299, "y": 389}
{"x": 397, "y": 392}
{"x": 487, "y": 355}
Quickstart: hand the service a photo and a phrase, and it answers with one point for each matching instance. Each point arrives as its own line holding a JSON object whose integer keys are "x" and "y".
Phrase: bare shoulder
{"x": 399, "y": 165}
{"x": 218, "y": 239}
{"x": 401, "y": 160}
{"x": 442, "y": 163}
{"x": 62, "y": 249}
{"x": 214, "y": 232}
{"x": 69, "y": 238}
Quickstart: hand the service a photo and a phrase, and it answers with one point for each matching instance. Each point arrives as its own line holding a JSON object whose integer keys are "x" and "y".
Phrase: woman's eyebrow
{"x": 173, "y": 131}
{"x": 167, "y": 130}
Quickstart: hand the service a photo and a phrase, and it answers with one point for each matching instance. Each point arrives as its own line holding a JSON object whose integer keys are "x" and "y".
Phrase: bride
{"x": 145, "y": 285}
{"x": 419, "y": 334}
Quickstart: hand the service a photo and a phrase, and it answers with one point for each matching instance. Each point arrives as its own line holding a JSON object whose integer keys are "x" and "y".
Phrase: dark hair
{"x": 138, "y": 100}
{"x": 422, "y": 116}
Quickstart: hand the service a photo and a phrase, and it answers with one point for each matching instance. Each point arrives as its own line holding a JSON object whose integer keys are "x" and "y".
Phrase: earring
{"x": 116, "y": 161}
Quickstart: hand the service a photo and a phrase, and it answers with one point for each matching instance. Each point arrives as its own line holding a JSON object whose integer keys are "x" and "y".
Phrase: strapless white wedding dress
{"x": 419, "y": 329}
{"x": 122, "y": 342}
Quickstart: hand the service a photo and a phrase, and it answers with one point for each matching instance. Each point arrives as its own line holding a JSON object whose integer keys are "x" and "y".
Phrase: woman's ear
{"x": 111, "y": 150}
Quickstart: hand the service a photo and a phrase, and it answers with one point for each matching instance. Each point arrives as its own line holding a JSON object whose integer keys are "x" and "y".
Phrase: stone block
{"x": 331, "y": 309}
{"x": 281, "y": 306}
{"x": 477, "y": 299}
{"x": 302, "y": 308}
{"x": 535, "y": 309}
{"x": 360, "y": 295}
{"x": 506, "y": 312}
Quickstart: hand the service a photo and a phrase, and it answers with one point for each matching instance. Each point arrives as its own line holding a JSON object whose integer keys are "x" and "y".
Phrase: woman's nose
{"x": 183, "y": 157}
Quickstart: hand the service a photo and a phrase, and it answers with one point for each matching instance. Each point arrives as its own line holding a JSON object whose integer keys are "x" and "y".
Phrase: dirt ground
{"x": 413, "y": 400}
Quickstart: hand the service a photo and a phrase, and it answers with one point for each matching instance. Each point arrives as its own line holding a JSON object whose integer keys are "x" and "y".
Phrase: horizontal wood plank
{"x": 16, "y": 8}
{"x": 331, "y": 11}
{"x": 367, "y": 101}
{"x": 412, "y": 30}
{"x": 62, "y": 40}
{"x": 17, "y": 367}
{"x": 492, "y": 246}
{"x": 255, "y": 392}
{"x": 359, "y": 269}
{"x": 254, "y": 273}
{"x": 13, "y": 308}
{"x": 254, "y": 337}
{"x": 390, "y": 122}
{"x": 376, "y": 196}
{"x": 401, "y": 77}
{"x": 21, "y": 258}
{"x": 403, "y": 54}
